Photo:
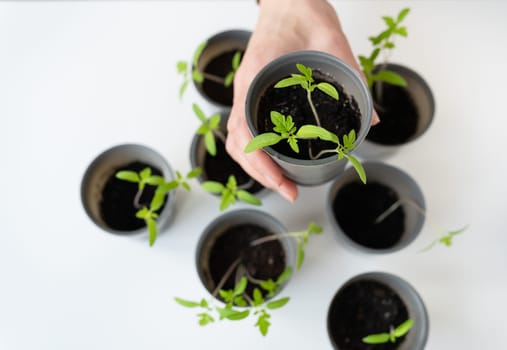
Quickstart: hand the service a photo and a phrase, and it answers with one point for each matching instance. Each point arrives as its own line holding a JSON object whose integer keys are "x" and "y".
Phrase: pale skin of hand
{"x": 283, "y": 26}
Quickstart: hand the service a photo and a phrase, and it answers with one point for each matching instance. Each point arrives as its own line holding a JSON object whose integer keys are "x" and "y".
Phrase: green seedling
{"x": 384, "y": 43}
{"x": 393, "y": 335}
{"x": 237, "y": 299}
{"x": 284, "y": 129}
{"x": 192, "y": 71}
{"x": 148, "y": 213}
{"x": 209, "y": 129}
{"x": 231, "y": 192}
{"x": 445, "y": 239}
{"x": 307, "y": 82}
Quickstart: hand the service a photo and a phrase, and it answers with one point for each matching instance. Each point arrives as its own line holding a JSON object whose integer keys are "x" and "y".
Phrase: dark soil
{"x": 219, "y": 167}
{"x": 338, "y": 117}
{"x": 219, "y": 66}
{"x": 356, "y": 207}
{"x": 117, "y": 204}
{"x": 398, "y": 116}
{"x": 362, "y": 308}
{"x": 262, "y": 262}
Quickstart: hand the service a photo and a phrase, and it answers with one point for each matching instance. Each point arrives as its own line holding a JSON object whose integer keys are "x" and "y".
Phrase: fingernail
{"x": 286, "y": 193}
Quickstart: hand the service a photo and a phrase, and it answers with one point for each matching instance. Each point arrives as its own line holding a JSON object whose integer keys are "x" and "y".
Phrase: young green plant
{"x": 384, "y": 43}
{"x": 231, "y": 192}
{"x": 393, "y": 335}
{"x": 192, "y": 71}
{"x": 445, "y": 239}
{"x": 149, "y": 212}
{"x": 285, "y": 129}
{"x": 209, "y": 129}
{"x": 259, "y": 305}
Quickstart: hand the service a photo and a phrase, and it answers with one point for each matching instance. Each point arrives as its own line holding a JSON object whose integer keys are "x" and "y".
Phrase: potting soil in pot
{"x": 362, "y": 308}
{"x": 339, "y": 117}
{"x": 219, "y": 66}
{"x": 219, "y": 167}
{"x": 263, "y": 261}
{"x": 357, "y": 206}
{"x": 117, "y": 204}
{"x": 398, "y": 116}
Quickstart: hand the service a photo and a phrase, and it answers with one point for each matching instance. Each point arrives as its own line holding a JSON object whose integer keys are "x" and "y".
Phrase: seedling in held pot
{"x": 148, "y": 213}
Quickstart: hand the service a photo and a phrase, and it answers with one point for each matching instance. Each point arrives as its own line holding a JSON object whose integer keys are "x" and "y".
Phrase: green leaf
{"x": 313, "y": 228}
{"x": 247, "y": 197}
{"x": 127, "y": 175}
{"x": 284, "y": 276}
{"x": 402, "y": 31}
{"x": 205, "y": 319}
{"x": 152, "y": 229}
{"x": 276, "y": 304}
{"x": 197, "y": 76}
{"x": 403, "y": 13}
{"x": 262, "y": 140}
{"x": 183, "y": 87}
{"x": 376, "y": 338}
{"x": 238, "y": 315}
{"x": 227, "y": 295}
{"x": 307, "y": 71}
{"x": 241, "y": 286}
{"x": 328, "y": 89}
{"x": 403, "y": 328}
{"x": 263, "y": 323}
{"x": 240, "y": 301}
{"x": 213, "y": 186}
{"x": 203, "y": 303}
{"x": 203, "y": 129}
{"x": 229, "y": 79}
{"x": 199, "y": 113}
{"x": 167, "y": 187}
{"x": 293, "y": 80}
{"x": 181, "y": 66}
{"x": 389, "y": 21}
{"x": 197, "y": 53}
{"x": 232, "y": 184}
{"x": 278, "y": 119}
{"x": 389, "y": 45}
{"x": 157, "y": 201}
{"x": 314, "y": 131}
{"x": 209, "y": 141}
{"x": 145, "y": 173}
{"x": 293, "y": 142}
{"x": 300, "y": 256}
{"x": 268, "y": 285}
{"x": 186, "y": 303}
{"x": 236, "y": 59}
{"x": 154, "y": 180}
{"x": 194, "y": 173}
{"x": 227, "y": 199}
{"x": 186, "y": 186}
{"x": 390, "y": 77}
{"x": 357, "y": 166}
{"x": 142, "y": 213}
{"x": 257, "y": 297}
{"x": 214, "y": 121}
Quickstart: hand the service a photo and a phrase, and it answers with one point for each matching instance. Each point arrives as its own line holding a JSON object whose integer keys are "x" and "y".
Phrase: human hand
{"x": 283, "y": 26}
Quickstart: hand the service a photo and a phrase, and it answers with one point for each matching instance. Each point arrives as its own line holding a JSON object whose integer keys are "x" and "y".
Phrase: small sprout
{"x": 209, "y": 129}
{"x": 384, "y": 42}
{"x": 285, "y": 129}
{"x": 238, "y": 297}
{"x": 192, "y": 71}
{"x": 447, "y": 237}
{"x": 148, "y": 213}
{"x": 230, "y": 192}
{"x": 392, "y": 336}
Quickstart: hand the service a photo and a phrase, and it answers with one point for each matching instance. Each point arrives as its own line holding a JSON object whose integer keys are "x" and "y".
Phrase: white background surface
{"x": 79, "y": 77}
